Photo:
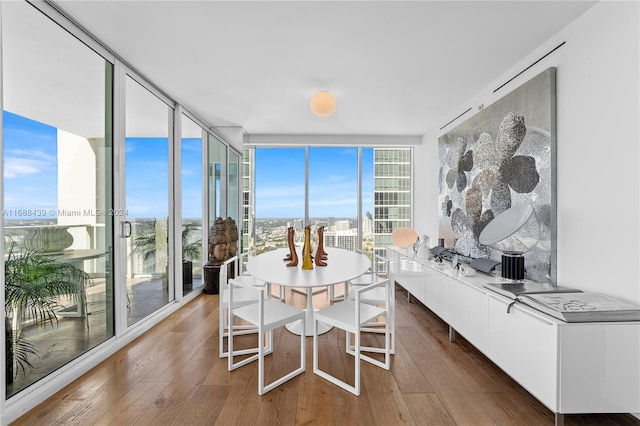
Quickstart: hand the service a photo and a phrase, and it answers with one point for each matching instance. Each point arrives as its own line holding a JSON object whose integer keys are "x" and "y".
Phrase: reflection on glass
{"x": 147, "y": 201}
{"x": 191, "y": 173}
{"x": 234, "y": 185}
{"x": 217, "y": 179}
{"x": 57, "y": 196}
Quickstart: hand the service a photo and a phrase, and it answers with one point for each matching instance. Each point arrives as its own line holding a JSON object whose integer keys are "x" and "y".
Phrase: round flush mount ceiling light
{"x": 323, "y": 104}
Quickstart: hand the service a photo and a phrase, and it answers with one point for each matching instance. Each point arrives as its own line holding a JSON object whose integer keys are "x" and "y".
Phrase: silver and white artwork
{"x": 502, "y": 156}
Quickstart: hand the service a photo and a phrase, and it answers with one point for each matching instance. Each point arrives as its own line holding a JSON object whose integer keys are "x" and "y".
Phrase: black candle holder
{"x": 513, "y": 266}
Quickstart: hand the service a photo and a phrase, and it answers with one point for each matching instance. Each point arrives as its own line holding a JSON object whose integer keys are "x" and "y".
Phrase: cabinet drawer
{"x": 525, "y": 346}
{"x": 413, "y": 282}
{"x": 470, "y": 317}
{"x": 438, "y": 294}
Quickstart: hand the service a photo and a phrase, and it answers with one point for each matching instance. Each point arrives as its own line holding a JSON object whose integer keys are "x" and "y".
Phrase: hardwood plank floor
{"x": 172, "y": 375}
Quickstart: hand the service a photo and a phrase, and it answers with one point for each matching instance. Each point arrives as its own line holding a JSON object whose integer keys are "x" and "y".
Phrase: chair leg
{"x": 332, "y": 295}
{"x": 357, "y": 362}
{"x": 260, "y": 364}
{"x": 262, "y": 388}
{"x": 224, "y": 330}
{"x": 281, "y": 293}
{"x": 316, "y": 370}
{"x": 221, "y": 328}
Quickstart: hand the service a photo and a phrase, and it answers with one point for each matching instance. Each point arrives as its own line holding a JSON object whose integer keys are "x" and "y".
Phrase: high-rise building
{"x": 298, "y": 224}
{"x": 248, "y": 199}
{"x": 392, "y": 193}
{"x": 342, "y": 239}
{"x": 367, "y": 225}
{"x": 342, "y": 225}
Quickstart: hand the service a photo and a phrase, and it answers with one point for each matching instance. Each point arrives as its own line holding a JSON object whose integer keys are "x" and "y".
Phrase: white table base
{"x": 296, "y": 327}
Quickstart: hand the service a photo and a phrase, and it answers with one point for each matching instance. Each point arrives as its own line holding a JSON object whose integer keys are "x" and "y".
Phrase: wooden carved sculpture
{"x": 223, "y": 241}
{"x": 289, "y": 256}
{"x": 293, "y": 261}
{"x": 321, "y": 255}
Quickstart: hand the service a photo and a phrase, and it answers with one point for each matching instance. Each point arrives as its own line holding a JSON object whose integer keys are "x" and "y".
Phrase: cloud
{"x": 19, "y": 163}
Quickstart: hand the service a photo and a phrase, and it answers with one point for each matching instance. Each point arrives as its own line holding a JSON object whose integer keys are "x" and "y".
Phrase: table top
{"x": 342, "y": 265}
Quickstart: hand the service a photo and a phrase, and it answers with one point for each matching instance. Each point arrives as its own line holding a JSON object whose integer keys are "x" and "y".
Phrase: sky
{"x": 30, "y": 166}
{"x": 31, "y": 177}
{"x": 31, "y": 173}
{"x": 333, "y": 182}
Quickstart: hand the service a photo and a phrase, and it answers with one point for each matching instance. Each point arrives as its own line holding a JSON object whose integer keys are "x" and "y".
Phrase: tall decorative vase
{"x": 306, "y": 252}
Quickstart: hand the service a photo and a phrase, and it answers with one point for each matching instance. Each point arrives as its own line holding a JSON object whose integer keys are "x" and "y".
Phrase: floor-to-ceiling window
{"x": 280, "y": 195}
{"x": 333, "y": 194}
{"x": 88, "y": 193}
{"x": 280, "y": 181}
{"x": 58, "y": 215}
{"x": 191, "y": 184}
{"x": 147, "y": 201}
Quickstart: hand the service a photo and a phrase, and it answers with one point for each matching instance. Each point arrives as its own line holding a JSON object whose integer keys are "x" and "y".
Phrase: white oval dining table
{"x": 342, "y": 265}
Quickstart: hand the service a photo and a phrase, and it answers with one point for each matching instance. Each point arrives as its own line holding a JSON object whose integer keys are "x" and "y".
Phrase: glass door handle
{"x": 126, "y": 229}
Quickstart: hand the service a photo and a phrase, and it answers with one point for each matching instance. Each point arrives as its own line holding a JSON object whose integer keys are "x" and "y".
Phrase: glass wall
{"x": 147, "y": 201}
{"x": 58, "y": 205}
{"x": 70, "y": 110}
{"x": 191, "y": 176}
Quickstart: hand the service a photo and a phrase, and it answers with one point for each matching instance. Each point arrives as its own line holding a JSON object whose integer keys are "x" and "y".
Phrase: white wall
{"x": 597, "y": 158}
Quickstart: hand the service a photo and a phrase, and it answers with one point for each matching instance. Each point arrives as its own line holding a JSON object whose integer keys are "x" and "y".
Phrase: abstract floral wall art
{"x": 502, "y": 156}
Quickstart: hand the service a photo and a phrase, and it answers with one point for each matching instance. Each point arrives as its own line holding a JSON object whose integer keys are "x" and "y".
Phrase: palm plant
{"x": 191, "y": 250}
{"x": 34, "y": 282}
{"x": 145, "y": 244}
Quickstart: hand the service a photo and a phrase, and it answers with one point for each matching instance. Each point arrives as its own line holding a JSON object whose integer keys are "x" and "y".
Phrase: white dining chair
{"x": 351, "y": 315}
{"x": 266, "y": 314}
{"x": 380, "y": 270}
{"x": 242, "y": 298}
{"x": 245, "y": 276}
{"x": 368, "y": 277}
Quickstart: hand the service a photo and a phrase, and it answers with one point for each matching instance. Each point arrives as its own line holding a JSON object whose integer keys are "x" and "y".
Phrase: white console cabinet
{"x": 570, "y": 367}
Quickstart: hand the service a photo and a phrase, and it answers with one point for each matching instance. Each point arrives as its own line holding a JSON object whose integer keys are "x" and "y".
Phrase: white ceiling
{"x": 395, "y": 68}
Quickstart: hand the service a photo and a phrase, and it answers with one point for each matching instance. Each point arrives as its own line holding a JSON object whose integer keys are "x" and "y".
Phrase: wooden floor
{"x": 172, "y": 375}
